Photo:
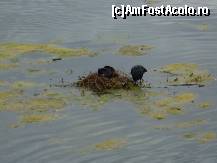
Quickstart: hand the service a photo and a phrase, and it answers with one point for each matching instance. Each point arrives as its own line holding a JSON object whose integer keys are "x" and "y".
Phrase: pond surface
{"x": 115, "y": 132}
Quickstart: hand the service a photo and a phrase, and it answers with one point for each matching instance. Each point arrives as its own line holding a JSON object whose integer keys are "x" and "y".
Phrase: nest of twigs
{"x": 97, "y": 83}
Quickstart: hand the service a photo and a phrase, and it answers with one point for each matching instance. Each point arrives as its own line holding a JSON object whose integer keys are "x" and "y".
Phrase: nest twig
{"x": 98, "y": 83}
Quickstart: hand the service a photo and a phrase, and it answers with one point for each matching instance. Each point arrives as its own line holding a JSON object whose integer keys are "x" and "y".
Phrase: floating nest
{"x": 101, "y": 84}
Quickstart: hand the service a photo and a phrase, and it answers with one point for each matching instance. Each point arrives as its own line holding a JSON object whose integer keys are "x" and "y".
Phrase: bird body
{"x": 106, "y": 71}
{"x": 137, "y": 72}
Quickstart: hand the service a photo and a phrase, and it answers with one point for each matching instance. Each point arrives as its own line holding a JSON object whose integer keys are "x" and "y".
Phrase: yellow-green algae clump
{"x": 25, "y": 84}
{"x": 205, "y": 105}
{"x": 186, "y": 74}
{"x": 105, "y": 145}
{"x": 32, "y": 109}
{"x": 12, "y": 50}
{"x": 155, "y": 105}
{"x": 111, "y": 144}
{"x": 170, "y": 105}
{"x": 134, "y": 50}
{"x": 7, "y": 66}
{"x": 183, "y": 125}
{"x": 37, "y": 118}
{"x": 179, "y": 99}
{"x": 201, "y": 137}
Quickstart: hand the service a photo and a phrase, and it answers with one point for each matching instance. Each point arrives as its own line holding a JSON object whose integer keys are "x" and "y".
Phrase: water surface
{"x": 76, "y": 24}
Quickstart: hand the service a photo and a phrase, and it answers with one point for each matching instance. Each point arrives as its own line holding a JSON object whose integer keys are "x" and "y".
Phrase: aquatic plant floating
{"x": 186, "y": 74}
{"x": 111, "y": 144}
{"x": 37, "y": 118}
{"x": 201, "y": 137}
{"x": 7, "y": 66}
{"x": 12, "y": 50}
{"x": 135, "y": 50}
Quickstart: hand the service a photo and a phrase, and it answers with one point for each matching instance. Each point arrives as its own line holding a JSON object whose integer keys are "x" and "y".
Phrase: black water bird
{"x": 106, "y": 71}
{"x": 137, "y": 72}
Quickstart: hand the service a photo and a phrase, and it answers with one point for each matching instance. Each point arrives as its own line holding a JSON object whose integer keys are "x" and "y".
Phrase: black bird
{"x": 137, "y": 72}
{"x": 110, "y": 68}
{"x": 106, "y": 71}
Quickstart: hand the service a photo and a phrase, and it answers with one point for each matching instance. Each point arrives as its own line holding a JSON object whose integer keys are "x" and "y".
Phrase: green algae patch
{"x": 201, "y": 137}
{"x": 184, "y": 97}
{"x": 179, "y": 68}
{"x": 203, "y": 27}
{"x": 207, "y": 137}
{"x": 45, "y": 104}
{"x": 147, "y": 103}
{"x": 189, "y": 136}
{"x": 12, "y": 50}
{"x": 182, "y": 125}
{"x": 175, "y": 110}
{"x": 25, "y": 85}
{"x": 105, "y": 146}
{"x": 7, "y": 99}
{"x": 37, "y": 118}
{"x": 32, "y": 109}
{"x": 158, "y": 115}
{"x": 186, "y": 74}
{"x": 5, "y": 95}
{"x": 32, "y": 105}
{"x": 110, "y": 144}
{"x": 67, "y": 52}
{"x": 205, "y": 105}
{"x": 134, "y": 95}
{"x": 7, "y": 66}
{"x": 90, "y": 100}
{"x": 180, "y": 99}
{"x": 189, "y": 124}
{"x": 151, "y": 2}
{"x": 135, "y": 50}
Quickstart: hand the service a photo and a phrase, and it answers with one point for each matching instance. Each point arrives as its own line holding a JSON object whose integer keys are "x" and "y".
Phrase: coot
{"x": 106, "y": 71}
{"x": 137, "y": 72}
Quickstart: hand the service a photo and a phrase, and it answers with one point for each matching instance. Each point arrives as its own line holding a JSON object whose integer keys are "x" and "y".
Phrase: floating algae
{"x": 31, "y": 104}
{"x": 201, "y": 137}
{"x": 160, "y": 107}
{"x": 147, "y": 103}
{"x": 205, "y": 105}
{"x": 191, "y": 123}
{"x": 110, "y": 144}
{"x": 7, "y": 99}
{"x": 181, "y": 98}
{"x": 135, "y": 50}
{"x": 105, "y": 146}
{"x": 25, "y": 85}
{"x": 179, "y": 68}
{"x": 90, "y": 100}
{"x": 45, "y": 104}
{"x": 174, "y": 110}
{"x": 7, "y": 66}
{"x": 12, "y": 50}
{"x": 159, "y": 115}
{"x": 6, "y": 94}
{"x": 33, "y": 109}
{"x": 96, "y": 101}
{"x": 37, "y": 118}
{"x": 183, "y": 125}
{"x": 189, "y": 136}
{"x": 186, "y": 74}
{"x": 207, "y": 137}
